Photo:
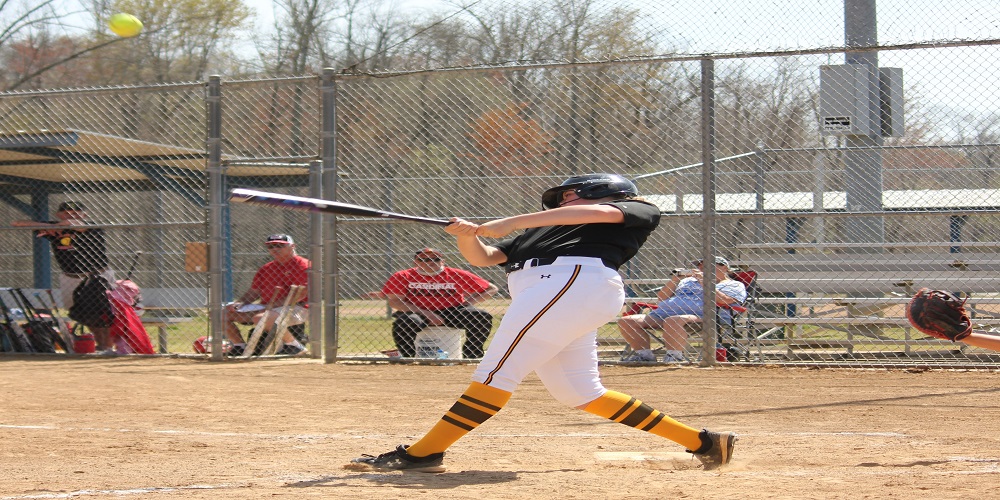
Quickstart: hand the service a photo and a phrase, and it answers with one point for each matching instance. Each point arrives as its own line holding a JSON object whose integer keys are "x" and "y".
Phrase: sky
{"x": 726, "y": 25}
{"x": 721, "y": 25}
{"x": 966, "y": 78}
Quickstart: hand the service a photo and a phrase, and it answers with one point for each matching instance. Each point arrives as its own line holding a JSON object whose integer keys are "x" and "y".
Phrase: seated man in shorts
{"x": 681, "y": 304}
{"x": 284, "y": 270}
{"x": 432, "y": 294}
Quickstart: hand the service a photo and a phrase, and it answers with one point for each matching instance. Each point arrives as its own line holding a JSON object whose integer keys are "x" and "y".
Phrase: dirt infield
{"x": 180, "y": 428}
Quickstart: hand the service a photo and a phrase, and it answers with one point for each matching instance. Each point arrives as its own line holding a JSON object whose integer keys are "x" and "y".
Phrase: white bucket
{"x": 432, "y": 338}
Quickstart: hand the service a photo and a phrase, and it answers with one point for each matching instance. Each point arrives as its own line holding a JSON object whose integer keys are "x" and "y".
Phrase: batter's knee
{"x": 578, "y": 399}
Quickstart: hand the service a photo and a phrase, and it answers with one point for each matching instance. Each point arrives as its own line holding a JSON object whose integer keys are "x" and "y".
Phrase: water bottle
{"x": 441, "y": 354}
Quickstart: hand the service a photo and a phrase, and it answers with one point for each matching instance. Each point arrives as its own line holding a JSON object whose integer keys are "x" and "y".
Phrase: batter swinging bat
{"x": 317, "y": 205}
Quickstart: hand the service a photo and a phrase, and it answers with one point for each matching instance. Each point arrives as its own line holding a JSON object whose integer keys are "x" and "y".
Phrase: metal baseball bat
{"x": 318, "y": 205}
{"x": 135, "y": 261}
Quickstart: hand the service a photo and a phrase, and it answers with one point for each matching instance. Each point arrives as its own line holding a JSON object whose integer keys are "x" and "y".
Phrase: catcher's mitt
{"x": 939, "y": 314}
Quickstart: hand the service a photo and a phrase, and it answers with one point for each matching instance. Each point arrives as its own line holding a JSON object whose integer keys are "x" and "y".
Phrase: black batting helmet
{"x": 590, "y": 187}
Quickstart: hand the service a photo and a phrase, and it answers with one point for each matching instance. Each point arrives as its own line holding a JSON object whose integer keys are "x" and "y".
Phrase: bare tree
{"x": 766, "y": 103}
{"x": 17, "y": 18}
{"x": 34, "y": 41}
{"x": 299, "y": 29}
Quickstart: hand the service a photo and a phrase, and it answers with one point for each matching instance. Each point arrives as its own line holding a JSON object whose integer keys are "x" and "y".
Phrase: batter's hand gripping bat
{"x": 288, "y": 202}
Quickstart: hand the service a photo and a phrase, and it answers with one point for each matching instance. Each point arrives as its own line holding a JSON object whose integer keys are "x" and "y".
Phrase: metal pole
{"x": 709, "y": 331}
{"x": 758, "y": 189}
{"x": 316, "y": 257}
{"x": 863, "y": 157}
{"x": 216, "y": 202}
{"x": 331, "y": 285}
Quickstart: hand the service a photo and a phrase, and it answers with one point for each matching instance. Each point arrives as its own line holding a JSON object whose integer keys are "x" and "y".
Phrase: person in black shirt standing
{"x": 79, "y": 252}
{"x": 564, "y": 285}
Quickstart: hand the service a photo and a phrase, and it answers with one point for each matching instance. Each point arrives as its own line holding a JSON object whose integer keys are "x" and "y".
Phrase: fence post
{"x": 759, "y": 188}
{"x": 709, "y": 331}
{"x": 331, "y": 286}
{"x": 316, "y": 257}
{"x": 216, "y": 199}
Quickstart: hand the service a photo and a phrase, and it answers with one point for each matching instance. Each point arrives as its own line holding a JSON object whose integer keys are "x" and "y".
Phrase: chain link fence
{"x": 844, "y": 180}
{"x": 133, "y": 158}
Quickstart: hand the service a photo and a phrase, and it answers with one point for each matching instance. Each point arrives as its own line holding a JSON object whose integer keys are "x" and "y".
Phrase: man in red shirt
{"x": 430, "y": 294}
{"x": 286, "y": 269}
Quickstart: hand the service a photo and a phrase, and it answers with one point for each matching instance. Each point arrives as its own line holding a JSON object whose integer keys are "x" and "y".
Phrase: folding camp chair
{"x": 736, "y": 336}
{"x": 739, "y": 338}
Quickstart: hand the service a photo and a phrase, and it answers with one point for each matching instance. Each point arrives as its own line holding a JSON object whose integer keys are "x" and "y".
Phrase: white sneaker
{"x": 640, "y": 356}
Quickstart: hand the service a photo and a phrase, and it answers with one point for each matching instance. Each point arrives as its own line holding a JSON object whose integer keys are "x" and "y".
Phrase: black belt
{"x": 542, "y": 261}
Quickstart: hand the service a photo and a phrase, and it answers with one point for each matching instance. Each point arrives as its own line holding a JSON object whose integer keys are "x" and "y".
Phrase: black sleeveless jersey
{"x": 614, "y": 243}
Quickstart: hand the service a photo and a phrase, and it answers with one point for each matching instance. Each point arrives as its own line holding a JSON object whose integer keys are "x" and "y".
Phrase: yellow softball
{"x": 125, "y": 25}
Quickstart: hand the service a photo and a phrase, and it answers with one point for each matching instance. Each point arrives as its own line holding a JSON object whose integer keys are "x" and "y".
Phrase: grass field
{"x": 365, "y": 331}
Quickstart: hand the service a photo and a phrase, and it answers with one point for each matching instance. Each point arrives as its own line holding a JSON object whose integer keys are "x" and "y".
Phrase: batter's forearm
{"x": 569, "y": 216}
{"x": 478, "y": 253}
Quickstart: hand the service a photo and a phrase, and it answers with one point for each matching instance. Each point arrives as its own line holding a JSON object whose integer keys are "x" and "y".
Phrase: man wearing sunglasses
{"x": 430, "y": 294}
{"x": 285, "y": 269}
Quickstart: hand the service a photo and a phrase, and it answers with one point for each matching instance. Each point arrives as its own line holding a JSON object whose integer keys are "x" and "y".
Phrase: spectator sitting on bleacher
{"x": 284, "y": 270}
{"x": 432, "y": 294}
{"x": 680, "y": 304}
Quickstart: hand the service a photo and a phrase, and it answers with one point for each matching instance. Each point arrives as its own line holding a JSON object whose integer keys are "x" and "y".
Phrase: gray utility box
{"x": 852, "y": 94}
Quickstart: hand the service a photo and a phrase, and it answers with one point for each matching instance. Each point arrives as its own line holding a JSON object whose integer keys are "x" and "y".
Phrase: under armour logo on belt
{"x": 515, "y": 266}
{"x": 546, "y": 276}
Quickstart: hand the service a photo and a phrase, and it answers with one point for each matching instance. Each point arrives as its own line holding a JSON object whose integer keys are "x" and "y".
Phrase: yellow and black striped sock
{"x": 475, "y": 406}
{"x": 627, "y": 410}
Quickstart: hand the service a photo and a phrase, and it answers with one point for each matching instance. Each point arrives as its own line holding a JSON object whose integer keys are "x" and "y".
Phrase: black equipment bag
{"x": 43, "y": 333}
{"x": 91, "y": 305}
{"x": 13, "y": 332}
{"x": 42, "y": 336}
{"x": 6, "y": 338}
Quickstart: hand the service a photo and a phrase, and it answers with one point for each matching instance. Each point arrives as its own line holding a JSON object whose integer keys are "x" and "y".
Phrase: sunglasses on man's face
{"x": 272, "y": 246}
{"x": 431, "y": 259}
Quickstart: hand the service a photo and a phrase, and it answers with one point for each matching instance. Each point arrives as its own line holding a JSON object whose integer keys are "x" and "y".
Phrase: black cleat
{"x": 399, "y": 459}
{"x": 716, "y": 448}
